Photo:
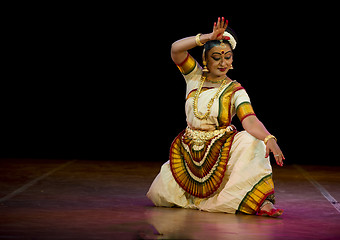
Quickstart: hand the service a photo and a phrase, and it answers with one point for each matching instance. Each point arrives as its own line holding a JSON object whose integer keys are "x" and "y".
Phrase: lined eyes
{"x": 218, "y": 58}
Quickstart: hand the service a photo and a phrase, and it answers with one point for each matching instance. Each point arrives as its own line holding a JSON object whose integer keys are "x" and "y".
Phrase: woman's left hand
{"x": 275, "y": 149}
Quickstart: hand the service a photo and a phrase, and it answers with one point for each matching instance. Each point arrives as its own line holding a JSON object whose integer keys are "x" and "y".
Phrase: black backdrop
{"x": 97, "y": 82}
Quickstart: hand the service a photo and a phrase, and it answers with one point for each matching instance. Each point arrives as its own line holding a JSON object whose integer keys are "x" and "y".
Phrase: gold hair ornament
{"x": 222, "y": 44}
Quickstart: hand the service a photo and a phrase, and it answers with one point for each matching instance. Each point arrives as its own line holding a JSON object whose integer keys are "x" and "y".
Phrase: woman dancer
{"x": 212, "y": 166}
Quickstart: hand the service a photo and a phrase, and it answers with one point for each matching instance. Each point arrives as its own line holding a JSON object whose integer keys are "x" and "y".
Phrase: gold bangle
{"x": 269, "y": 137}
{"x": 198, "y": 41}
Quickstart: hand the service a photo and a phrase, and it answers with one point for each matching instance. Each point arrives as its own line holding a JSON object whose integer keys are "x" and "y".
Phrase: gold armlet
{"x": 188, "y": 65}
{"x": 269, "y": 137}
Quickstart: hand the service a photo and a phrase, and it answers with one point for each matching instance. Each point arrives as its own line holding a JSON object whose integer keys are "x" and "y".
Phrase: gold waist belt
{"x": 200, "y": 137}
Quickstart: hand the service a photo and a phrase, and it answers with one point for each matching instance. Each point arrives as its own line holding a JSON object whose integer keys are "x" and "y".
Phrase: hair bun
{"x": 231, "y": 40}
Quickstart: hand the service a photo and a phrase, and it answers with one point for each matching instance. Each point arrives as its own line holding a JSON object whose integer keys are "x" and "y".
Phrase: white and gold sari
{"x": 212, "y": 166}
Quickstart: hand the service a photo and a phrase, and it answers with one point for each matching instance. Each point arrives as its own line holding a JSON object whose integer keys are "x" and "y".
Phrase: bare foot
{"x": 267, "y": 206}
{"x": 267, "y": 209}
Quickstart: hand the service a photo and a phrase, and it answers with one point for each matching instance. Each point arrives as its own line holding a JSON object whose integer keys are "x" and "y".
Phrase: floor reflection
{"x": 178, "y": 223}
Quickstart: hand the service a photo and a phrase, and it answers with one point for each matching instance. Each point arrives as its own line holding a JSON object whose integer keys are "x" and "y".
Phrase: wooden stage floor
{"x": 83, "y": 199}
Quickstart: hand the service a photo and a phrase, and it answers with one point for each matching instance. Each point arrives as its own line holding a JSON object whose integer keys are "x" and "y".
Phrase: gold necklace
{"x": 211, "y": 102}
{"x": 216, "y": 81}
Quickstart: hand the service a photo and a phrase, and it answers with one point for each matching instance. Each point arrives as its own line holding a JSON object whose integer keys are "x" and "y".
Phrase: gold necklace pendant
{"x": 211, "y": 102}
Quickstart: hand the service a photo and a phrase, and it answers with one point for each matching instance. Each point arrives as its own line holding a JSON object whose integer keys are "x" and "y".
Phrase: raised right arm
{"x": 179, "y": 49}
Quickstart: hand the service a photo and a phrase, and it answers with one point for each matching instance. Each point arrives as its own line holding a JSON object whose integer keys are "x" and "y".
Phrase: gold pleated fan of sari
{"x": 198, "y": 166}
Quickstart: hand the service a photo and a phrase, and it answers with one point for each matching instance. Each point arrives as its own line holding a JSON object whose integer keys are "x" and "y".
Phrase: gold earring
{"x": 231, "y": 67}
{"x": 205, "y": 69}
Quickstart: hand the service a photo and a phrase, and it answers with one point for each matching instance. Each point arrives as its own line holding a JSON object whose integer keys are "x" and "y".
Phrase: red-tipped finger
{"x": 277, "y": 159}
{"x": 280, "y": 160}
{"x": 224, "y": 23}
{"x": 267, "y": 152}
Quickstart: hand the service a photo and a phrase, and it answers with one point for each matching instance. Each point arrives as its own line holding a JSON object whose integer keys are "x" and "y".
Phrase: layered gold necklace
{"x": 211, "y": 102}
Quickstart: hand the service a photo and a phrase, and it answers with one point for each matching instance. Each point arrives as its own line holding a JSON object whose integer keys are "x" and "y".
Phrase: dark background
{"x": 97, "y": 82}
